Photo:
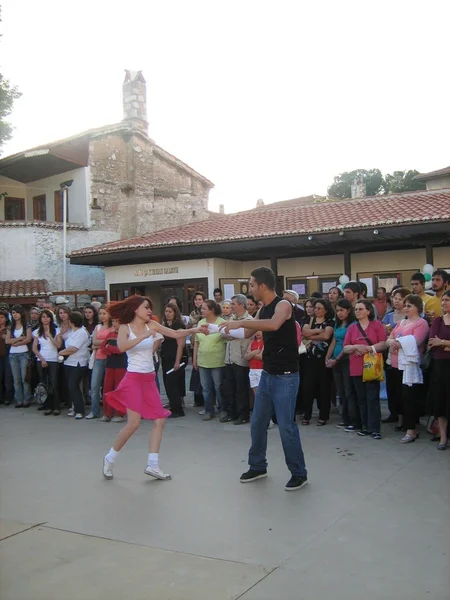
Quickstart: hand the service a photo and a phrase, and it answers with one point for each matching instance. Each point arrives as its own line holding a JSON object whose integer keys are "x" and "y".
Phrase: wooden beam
{"x": 429, "y": 254}
{"x": 347, "y": 263}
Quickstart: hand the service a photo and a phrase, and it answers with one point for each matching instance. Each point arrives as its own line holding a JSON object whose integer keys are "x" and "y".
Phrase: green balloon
{"x": 427, "y": 276}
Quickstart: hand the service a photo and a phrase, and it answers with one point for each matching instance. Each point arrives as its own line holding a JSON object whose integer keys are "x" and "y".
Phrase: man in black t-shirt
{"x": 277, "y": 390}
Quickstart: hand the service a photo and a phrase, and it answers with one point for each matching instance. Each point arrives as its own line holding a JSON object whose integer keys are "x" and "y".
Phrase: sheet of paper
{"x": 327, "y": 285}
{"x": 228, "y": 291}
{"x": 369, "y": 282}
{"x": 300, "y": 288}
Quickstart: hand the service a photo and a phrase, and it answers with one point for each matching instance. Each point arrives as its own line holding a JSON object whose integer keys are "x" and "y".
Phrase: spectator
{"x": 440, "y": 375}
{"x": 227, "y": 312}
{"x": 292, "y": 297}
{"x": 173, "y": 353}
{"x": 94, "y": 299}
{"x": 46, "y": 342}
{"x": 49, "y": 305}
{"x": 101, "y": 332}
{"x": 236, "y": 397}
{"x": 252, "y": 306}
{"x": 209, "y": 358}
{"x": 76, "y": 355}
{"x": 316, "y": 296}
{"x": 96, "y": 305}
{"x": 255, "y": 361}
{"x": 411, "y": 392}
{"x": 352, "y": 292}
{"x": 40, "y": 303}
{"x": 380, "y": 302}
{"x": 90, "y": 318}
{"x": 367, "y": 335}
{"x": 6, "y": 379}
{"x": 440, "y": 281}
{"x": 182, "y": 380}
{"x": 18, "y": 338}
{"x": 334, "y": 295}
{"x": 309, "y": 311}
{"x": 61, "y": 301}
{"x": 418, "y": 287}
{"x": 194, "y": 318}
{"x": 116, "y": 367}
{"x": 175, "y": 300}
{"x": 34, "y": 318}
{"x": 317, "y": 378}
{"x": 338, "y": 361}
{"x": 218, "y": 296}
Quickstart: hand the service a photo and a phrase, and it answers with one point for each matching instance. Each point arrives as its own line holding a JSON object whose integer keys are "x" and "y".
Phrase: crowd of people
{"x": 346, "y": 345}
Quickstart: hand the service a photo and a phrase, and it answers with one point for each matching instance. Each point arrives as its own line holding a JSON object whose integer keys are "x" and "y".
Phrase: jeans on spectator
{"x": 368, "y": 395}
{"x": 6, "y": 381}
{"x": 211, "y": 380}
{"x": 98, "y": 374}
{"x": 236, "y": 391}
{"x": 278, "y": 394}
{"x": 22, "y": 390}
{"x": 74, "y": 376}
{"x": 341, "y": 374}
{"x": 50, "y": 375}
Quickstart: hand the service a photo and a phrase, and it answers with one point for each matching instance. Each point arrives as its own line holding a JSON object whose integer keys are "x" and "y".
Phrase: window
{"x": 39, "y": 208}
{"x": 59, "y": 206}
{"x": 14, "y": 209}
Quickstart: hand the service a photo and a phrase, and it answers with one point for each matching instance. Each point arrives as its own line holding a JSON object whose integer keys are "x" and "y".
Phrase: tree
{"x": 403, "y": 181}
{"x": 373, "y": 178}
{"x": 8, "y": 94}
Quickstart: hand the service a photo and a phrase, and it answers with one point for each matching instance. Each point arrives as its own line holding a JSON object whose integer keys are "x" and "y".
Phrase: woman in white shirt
{"x": 76, "y": 355}
{"x": 18, "y": 338}
{"x": 46, "y": 343}
{"x": 137, "y": 393}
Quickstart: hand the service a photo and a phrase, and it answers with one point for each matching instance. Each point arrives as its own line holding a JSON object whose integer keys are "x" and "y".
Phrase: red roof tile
{"x": 24, "y": 288}
{"x": 291, "y": 218}
{"x": 433, "y": 174}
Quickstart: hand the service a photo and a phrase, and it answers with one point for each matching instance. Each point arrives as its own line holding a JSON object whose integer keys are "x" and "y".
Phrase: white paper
{"x": 239, "y": 334}
{"x": 369, "y": 282}
{"x": 213, "y": 328}
{"x": 228, "y": 291}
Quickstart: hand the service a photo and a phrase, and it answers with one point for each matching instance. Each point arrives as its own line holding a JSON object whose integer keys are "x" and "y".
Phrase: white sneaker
{"x": 271, "y": 424}
{"x": 105, "y": 419}
{"x": 90, "y": 416}
{"x": 107, "y": 469}
{"x": 71, "y": 413}
{"x": 157, "y": 473}
{"x": 117, "y": 420}
{"x": 201, "y": 412}
{"x": 78, "y": 416}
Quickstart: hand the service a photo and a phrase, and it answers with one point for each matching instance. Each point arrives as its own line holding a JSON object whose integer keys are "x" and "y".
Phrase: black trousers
{"x": 317, "y": 384}
{"x": 412, "y": 397}
{"x": 236, "y": 391}
{"x": 74, "y": 376}
{"x": 394, "y": 391}
{"x": 173, "y": 386}
{"x": 341, "y": 374}
{"x": 50, "y": 375}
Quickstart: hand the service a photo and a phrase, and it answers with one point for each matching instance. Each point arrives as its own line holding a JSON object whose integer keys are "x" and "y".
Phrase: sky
{"x": 268, "y": 100}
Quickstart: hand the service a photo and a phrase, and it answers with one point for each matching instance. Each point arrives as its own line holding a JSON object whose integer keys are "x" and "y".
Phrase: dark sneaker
{"x": 390, "y": 419}
{"x": 176, "y": 415}
{"x": 363, "y": 432}
{"x": 351, "y": 428}
{"x": 376, "y": 435}
{"x": 225, "y": 419}
{"x": 251, "y": 475}
{"x": 342, "y": 425}
{"x": 295, "y": 483}
{"x": 240, "y": 421}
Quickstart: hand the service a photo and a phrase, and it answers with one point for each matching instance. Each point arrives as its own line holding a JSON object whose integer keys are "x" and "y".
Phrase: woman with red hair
{"x": 137, "y": 393}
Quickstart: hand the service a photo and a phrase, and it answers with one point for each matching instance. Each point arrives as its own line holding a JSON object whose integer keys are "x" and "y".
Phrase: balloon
{"x": 343, "y": 279}
{"x": 427, "y": 269}
{"x": 341, "y": 287}
{"x": 428, "y": 285}
{"x": 427, "y": 276}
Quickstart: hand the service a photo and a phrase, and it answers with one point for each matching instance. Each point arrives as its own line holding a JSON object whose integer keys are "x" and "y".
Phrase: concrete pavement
{"x": 373, "y": 522}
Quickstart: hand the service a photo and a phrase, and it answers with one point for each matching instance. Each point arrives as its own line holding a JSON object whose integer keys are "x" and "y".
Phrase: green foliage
{"x": 8, "y": 94}
{"x": 376, "y": 183}
{"x": 403, "y": 181}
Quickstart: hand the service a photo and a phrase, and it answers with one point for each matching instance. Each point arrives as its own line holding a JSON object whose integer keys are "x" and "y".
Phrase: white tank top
{"x": 140, "y": 357}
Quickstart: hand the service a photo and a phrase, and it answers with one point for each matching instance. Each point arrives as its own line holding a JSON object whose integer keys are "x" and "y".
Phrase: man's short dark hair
{"x": 363, "y": 287}
{"x": 316, "y": 295}
{"x": 355, "y": 286}
{"x": 264, "y": 275}
{"x": 250, "y": 297}
{"x": 418, "y": 277}
{"x": 76, "y": 319}
{"x": 217, "y": 290}
{"x": 380, "y": 287}
{"x": 441, "y": 273}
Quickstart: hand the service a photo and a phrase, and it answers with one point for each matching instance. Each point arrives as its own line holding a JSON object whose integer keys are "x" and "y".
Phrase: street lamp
{"x": 65, "y": 185}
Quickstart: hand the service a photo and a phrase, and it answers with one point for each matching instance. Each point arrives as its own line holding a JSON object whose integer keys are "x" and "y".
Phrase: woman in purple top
{"x": 440, "y": 375}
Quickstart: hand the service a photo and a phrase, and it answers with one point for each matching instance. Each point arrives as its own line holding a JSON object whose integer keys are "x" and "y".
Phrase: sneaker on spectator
{"x": 105, "y": 419}
{"x": 79, "y": 416}
{"x": 352, "y": 429}
{"x": 363, "y": 432}
{"x": 201, "y": 412}
{"x": 91, "y": 416}
{"x": 71, "y": 413}
{"x": 117, "y": 419}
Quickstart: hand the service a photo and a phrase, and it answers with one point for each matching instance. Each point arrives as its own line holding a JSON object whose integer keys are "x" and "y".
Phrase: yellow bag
{"x": 373, "y": 367}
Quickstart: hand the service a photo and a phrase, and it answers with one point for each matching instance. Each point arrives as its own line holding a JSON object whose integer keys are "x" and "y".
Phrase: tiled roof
{"x": 24, "y": 288}
{"x": 291, "y": 218}
{"x": 433, "y": 174}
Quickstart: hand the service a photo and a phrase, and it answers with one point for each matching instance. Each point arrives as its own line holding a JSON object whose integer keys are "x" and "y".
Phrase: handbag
{"x": 426, "y": 363}
{"x": 373, "y": 363}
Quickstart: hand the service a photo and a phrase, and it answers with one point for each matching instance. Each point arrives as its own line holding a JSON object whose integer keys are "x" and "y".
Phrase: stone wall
{"x": 35, "y": 252}
{"x": 139, "y": 188}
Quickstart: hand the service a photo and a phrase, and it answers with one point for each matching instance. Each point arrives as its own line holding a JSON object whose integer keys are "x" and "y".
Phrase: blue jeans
{"x": 211, "y": 380}
{"x": 98, "y": 374}
{"x": 276, "y": 394}
{"x": 22, "y": 389}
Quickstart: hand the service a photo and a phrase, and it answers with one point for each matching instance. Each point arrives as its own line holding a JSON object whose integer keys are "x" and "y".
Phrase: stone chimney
{"x": 259, "y": 203}
{"x": 222, "y": 209}
{"x": 358, "y": 187}
{"x": 134, "y": 91}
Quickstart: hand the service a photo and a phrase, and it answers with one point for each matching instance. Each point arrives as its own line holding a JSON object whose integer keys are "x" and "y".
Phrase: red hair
{"x": 125, "y": 310}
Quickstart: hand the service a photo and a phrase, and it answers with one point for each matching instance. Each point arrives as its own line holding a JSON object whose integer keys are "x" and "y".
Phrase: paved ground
{"x": 373, "y": 523}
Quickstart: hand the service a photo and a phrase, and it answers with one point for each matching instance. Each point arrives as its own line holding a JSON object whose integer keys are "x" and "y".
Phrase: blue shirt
{"x": 339, "y": 335}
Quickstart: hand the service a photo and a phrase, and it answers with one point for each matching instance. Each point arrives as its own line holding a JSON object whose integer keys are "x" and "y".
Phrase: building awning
{"x": 24, "y": 288}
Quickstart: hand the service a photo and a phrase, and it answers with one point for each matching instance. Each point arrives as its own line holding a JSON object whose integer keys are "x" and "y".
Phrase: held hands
{"x": 361, "y": 349}
{"x": 433, "y": 342}
{"x": 202, "y": 329}
{"x": 330, "y": 363}
{"x": 44, "y": 364}
{"x": 228, "y": 325}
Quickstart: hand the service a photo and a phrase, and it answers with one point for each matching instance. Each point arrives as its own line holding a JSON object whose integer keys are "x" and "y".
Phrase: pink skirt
{"x": 139, "y": 393}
